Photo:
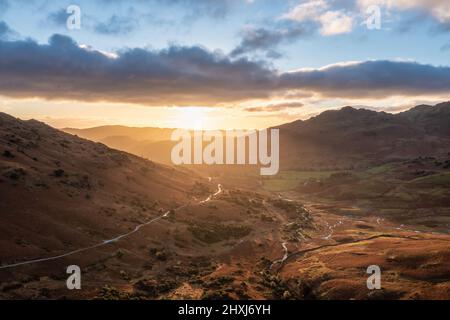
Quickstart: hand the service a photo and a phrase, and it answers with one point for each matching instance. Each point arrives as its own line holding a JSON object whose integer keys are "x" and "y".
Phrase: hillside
{"x": 138, "y": 134}
{"x": 336, "y": 139}
{"x": 59, "y": 192}
{"x": 350, "y": 137}
{"x": 150, "y": 143}
{"x": 137, "y": 229}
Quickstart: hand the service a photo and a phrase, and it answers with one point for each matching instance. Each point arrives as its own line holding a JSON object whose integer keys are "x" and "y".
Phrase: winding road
{"x": 285, "y": 256}
{"x": 107, "y": 242}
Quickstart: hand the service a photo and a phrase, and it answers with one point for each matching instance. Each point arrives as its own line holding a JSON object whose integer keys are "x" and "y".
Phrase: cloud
{"x": 331, "y": 22}
{"x": 6, "y": 33}
{"x": 276, "y": 107}
{"x": 193, "y": 8}
{"x": 301, "y": 21}
{"x": 335, "y": 22}
{"x": 58, "y": 18}
{"x": 217, "y": 9}
{"x": 266, "y": 40}
{"x": 116, "y": 25}
{"x": 177, "y": 75}
{"x": 335, "y": 17}
{"x": 4, "y": 29}
{"x": 309, "y": 10}
{"x": 438, "y": 10}
{"x": 134, "y": 12}
{"x": 371, "y": 79}
{"x": 181, "y": 75}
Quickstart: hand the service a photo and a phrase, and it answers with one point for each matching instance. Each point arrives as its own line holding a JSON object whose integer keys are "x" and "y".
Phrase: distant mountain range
{"x": 345, "y": 138}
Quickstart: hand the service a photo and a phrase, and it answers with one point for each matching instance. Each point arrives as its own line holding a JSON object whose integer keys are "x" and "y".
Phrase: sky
{"x": 218, "y": 63}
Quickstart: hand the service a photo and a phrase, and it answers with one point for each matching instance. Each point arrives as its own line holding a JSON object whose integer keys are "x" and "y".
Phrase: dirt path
{"x": 109, "y": 241}
{"x": 285, "y": 256}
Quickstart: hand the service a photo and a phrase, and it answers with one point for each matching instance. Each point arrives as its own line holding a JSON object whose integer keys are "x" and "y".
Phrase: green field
{"x": 436, "y": 180}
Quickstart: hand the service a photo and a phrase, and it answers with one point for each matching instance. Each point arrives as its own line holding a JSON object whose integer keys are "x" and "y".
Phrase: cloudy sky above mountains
{"x": 218, "y": 63}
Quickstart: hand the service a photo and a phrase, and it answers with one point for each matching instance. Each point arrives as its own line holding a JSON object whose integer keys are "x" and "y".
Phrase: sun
{"x": 191, "y": 118}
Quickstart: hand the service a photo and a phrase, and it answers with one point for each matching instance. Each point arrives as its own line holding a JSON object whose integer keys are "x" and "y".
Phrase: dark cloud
{"x": 176, "y": 75}
{"x": 267, "y": 40}
{"x": 116, "y": 25}
{"x": 276, "y": 107}
{"x": 6, "y": 32}
{"x": 192, "y": 76}
{"x": 4, "y": 29}
{"x": 371, "y": 78}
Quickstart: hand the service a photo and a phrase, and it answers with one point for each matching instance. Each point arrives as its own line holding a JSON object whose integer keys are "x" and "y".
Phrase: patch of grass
{"x": 440, "y": 179}
{"x": 380, "y": 169}
{"x": 288, "y": 180}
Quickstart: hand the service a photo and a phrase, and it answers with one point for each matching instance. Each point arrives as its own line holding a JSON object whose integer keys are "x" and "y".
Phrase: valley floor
{"x": 272, "y": 246}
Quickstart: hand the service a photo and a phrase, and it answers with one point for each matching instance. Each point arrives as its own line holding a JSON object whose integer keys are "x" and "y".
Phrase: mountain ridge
{"x": 345, "y": 138}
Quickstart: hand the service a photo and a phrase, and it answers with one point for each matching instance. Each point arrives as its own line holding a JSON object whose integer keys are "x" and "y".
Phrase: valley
{"x": 142, "y": 230}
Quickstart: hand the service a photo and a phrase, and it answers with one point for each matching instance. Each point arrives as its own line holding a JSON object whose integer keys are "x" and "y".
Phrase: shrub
{"x": 8, "y": 154}
{"x": 58, "y": 173}
{"x": 15, "y": 173}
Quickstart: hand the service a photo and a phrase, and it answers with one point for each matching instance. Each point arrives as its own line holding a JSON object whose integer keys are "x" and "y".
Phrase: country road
{"x": 109, "y": 241}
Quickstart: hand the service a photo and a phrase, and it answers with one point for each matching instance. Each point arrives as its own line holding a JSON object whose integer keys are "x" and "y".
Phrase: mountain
{"x": 59, "y": 192}
{"x": 150, "y": 143}
{"x": 137, "y": 134}
{"x": 335, "y": 139}
{"x": 352, "y": 137}
{"x": 433, "y": 119}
